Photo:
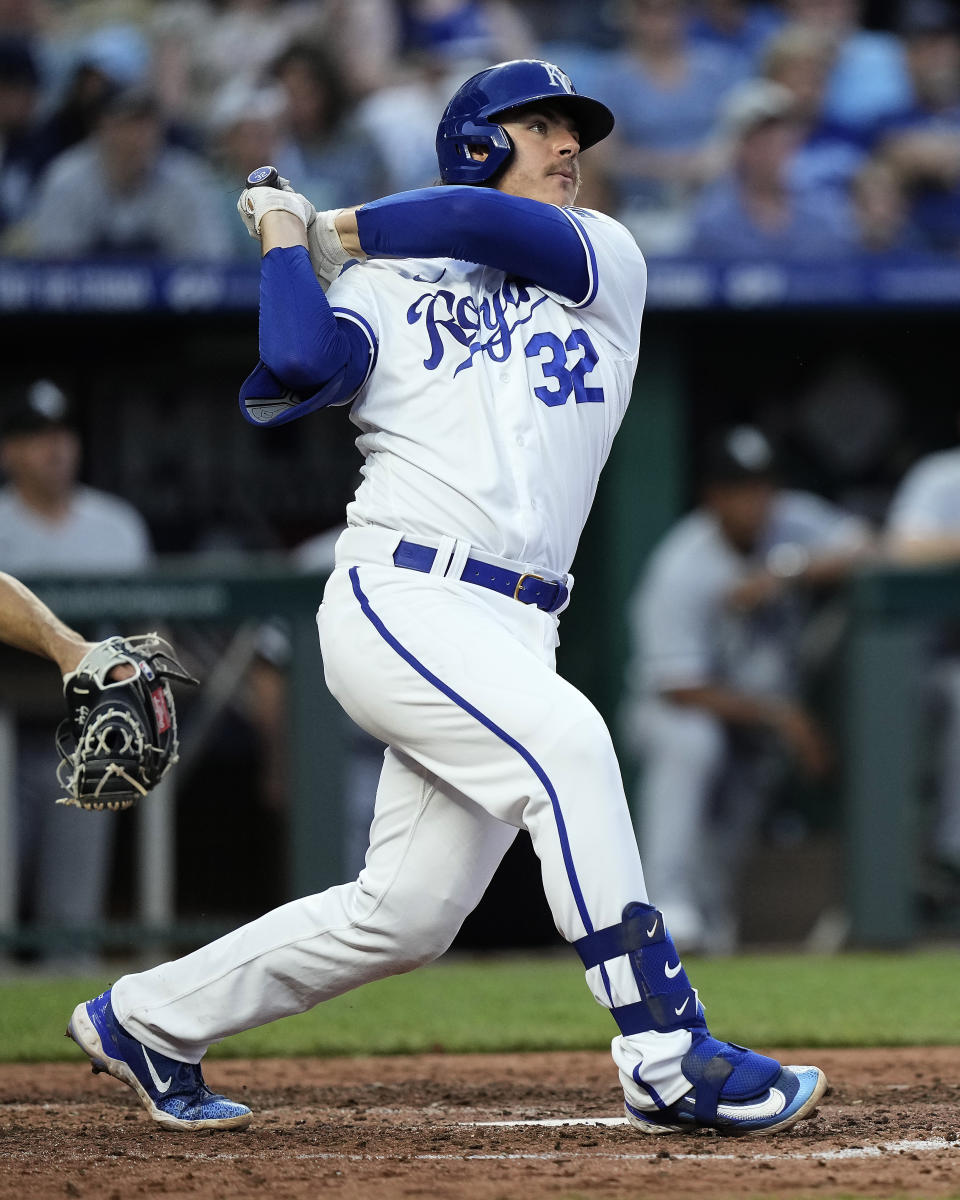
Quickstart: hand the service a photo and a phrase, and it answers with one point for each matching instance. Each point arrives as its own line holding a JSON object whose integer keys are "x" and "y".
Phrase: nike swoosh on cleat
{"x": 770, "y": 1105}
{"x": 670, "y": 972}
{"x": 679, "y": 1010}
{"x": 159, "y": 1084}
{"x": 652, "y": 930}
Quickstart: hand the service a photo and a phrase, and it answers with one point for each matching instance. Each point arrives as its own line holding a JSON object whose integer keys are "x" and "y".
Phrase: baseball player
{"x": 923, "y": 528}
{"x": 715, "y": 709}
{"x": 485, "y": 335}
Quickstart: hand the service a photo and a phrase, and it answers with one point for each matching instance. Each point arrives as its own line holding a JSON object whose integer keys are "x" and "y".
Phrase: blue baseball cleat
{"x": 172, "y": 1092}
{"x": 736, "y": 1091}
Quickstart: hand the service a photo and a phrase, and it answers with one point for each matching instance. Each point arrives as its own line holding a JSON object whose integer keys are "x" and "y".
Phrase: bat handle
{"x": 264, "y": 177}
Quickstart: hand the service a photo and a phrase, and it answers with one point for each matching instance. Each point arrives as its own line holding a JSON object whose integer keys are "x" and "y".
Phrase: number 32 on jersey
{"x": 565, "y": 367}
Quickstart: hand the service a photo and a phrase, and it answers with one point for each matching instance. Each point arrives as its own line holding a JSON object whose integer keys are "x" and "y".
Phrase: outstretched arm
{"x": 538, "y": 242}
{"x": 27, "y": 624}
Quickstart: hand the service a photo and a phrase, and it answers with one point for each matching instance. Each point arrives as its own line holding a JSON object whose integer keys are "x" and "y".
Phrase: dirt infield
{"x": 358, "y": 1129}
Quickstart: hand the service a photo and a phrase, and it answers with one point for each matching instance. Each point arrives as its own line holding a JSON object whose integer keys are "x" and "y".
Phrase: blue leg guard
{"x": 732, "y": 1089}
{"x": 669, "y": 1002}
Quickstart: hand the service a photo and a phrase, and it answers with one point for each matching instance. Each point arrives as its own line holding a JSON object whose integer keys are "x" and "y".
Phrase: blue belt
{"x": 522, "y": 586}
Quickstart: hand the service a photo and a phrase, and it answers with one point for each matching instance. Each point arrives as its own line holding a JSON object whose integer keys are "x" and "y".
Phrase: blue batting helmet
{"x": 469, "y": 118}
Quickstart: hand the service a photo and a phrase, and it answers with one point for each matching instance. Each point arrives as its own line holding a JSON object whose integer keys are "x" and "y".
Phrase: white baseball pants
{"x": 485, "y": 738}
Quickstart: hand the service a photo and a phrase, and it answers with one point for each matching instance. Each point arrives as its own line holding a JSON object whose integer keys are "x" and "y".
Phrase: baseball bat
{"x": 263, "y": 177}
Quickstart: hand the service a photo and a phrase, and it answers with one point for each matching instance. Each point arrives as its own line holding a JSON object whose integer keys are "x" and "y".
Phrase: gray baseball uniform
{"x": 685, "y": 636}
{"x": 927, "y": 504}
{"x": 65, "y": 852}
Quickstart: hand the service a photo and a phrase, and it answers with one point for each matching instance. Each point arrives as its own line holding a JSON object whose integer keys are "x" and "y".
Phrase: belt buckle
{"x": 525, "y": 575}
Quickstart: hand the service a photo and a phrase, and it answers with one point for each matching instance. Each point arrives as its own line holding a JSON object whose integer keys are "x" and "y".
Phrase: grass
{"x": 540, "y": 1003}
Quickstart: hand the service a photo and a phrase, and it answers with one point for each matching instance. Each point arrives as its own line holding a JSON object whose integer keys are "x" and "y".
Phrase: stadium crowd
{"x": 743, "y": 129}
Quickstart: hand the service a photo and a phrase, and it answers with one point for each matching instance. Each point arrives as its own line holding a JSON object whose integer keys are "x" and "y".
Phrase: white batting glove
{"x": 323, "y": 242}
{"x": 256, "y": 201}
{"x": 327, "y": 254}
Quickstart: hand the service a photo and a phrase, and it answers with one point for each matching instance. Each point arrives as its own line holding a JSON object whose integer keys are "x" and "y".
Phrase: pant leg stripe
{"x": 505, "y": 737}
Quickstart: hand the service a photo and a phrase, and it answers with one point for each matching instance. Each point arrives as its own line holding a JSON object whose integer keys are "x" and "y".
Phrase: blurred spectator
{"x": 465, "y": 30}
{"x": 365, "y": 38}
{"x": 49, "y": 523}
{"x": 401, "y": 119}
{"x": 736, "y": 26}
{"x": 881, "y": 212}
{"x": 21, "y": 17}
{"x": 923, "y": 527}
{"x": 869, "y": 77}
{"x": 122, "y": 191}
{"x": 246, "y": 129}
{"x": 328, "y": 157}
{"x": 830, "y": 152}
{"x": 753, "y": 211}
{"x": 19, "y": 101}
{"x": 101, "y": 64}
{"x": 922, "y": 143}
{"x": 28, "y": 21}
{"x": 715, "y": 713}
{"x": 201, "y": 46}
{"x": 121, "y": 51}
{"x": 664, "y": 90}
{"x": 75, "y": 116}
{"x": 566, "y": 28}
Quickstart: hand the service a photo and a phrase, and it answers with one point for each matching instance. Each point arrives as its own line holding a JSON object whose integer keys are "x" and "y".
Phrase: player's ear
{"x": 479, "y": 153}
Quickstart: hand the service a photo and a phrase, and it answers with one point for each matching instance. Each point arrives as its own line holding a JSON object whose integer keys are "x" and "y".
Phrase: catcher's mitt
{"x": 120, "y": 736}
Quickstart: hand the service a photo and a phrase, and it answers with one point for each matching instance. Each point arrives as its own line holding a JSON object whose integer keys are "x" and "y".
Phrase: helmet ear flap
{"x": 454, "y": 141}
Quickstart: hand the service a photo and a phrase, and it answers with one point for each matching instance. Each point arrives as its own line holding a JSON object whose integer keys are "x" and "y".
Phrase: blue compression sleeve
{"x": 525, "y": 238}
{"x": 301, "y": 341}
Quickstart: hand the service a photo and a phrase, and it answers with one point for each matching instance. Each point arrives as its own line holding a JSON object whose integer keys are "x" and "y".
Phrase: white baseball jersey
{"x": 494, "y": 403}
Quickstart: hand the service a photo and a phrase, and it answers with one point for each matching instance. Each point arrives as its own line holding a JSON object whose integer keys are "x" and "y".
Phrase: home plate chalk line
{"x": 850, "y": 1153}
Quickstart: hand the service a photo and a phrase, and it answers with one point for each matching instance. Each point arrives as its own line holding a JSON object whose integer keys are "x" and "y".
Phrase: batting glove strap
{"x": 327, "y": 255}
{"x": 255, "y": 202}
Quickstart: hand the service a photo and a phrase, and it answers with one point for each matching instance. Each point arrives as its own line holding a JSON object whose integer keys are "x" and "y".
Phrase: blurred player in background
{"x": 923, "y": 529}
{"x": 715, "y": 678}
{"x": 50, "y": 523}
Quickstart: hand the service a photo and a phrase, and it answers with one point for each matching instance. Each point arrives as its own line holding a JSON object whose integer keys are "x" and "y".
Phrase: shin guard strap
{"x": 660, "y": 1013}
{"x": 641, "y": 929}
{"x": 715, "y": 1074}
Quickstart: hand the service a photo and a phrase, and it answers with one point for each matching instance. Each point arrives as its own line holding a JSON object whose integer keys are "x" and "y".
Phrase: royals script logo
{"x": 458, "y": 324}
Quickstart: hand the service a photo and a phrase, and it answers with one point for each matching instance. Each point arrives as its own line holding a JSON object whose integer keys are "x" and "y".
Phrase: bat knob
{"x": 263, "y": 177}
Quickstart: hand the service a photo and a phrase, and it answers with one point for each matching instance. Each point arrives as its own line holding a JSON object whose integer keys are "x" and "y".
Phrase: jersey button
{"x": 504, "y": 376}
{"x": 520, "y": 440}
